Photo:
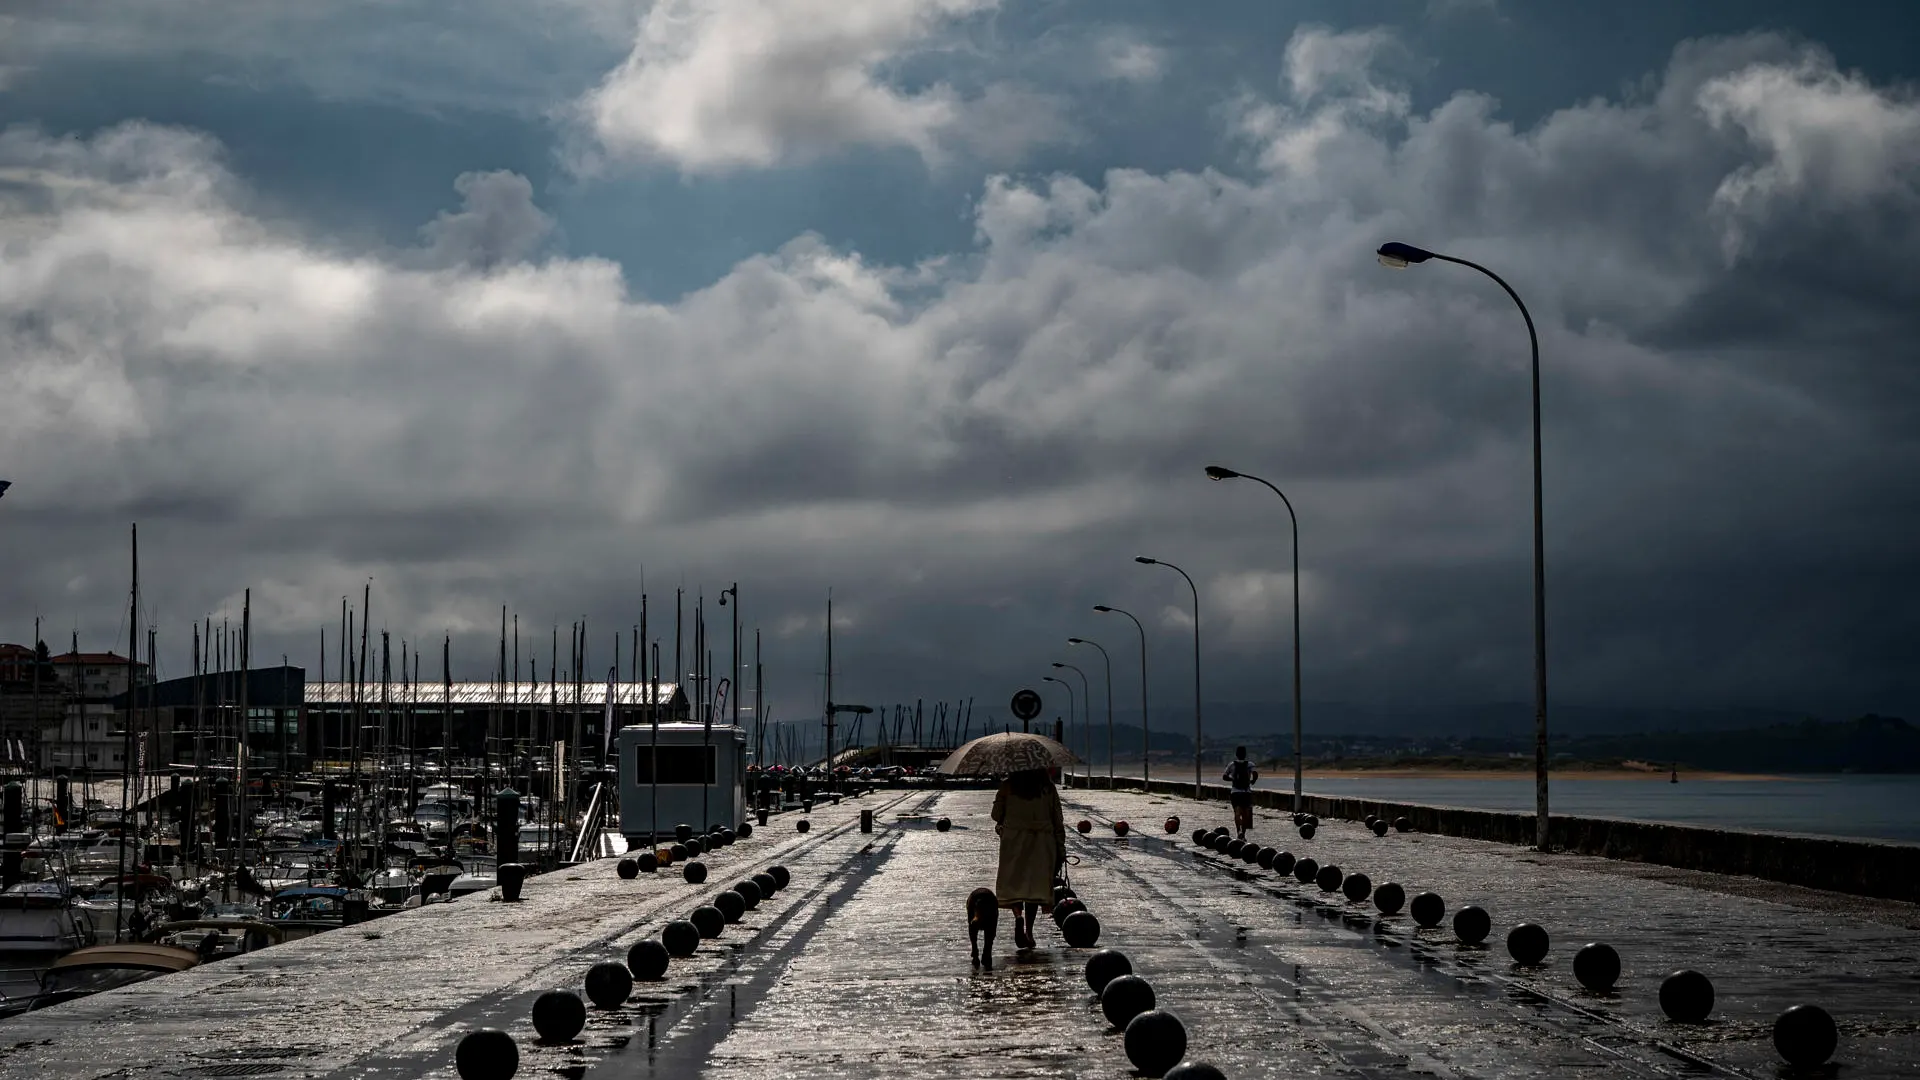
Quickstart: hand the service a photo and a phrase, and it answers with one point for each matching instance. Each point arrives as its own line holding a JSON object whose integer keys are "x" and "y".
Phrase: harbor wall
{"x": 1857, "y": 867}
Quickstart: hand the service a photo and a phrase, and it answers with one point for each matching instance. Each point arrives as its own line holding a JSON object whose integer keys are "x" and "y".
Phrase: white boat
{"x": 43, "y": 920}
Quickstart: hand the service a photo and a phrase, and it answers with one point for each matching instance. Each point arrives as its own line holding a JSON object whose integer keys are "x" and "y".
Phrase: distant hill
{"x": 1253, "y": 722}
{"x": 1881, "y": 744}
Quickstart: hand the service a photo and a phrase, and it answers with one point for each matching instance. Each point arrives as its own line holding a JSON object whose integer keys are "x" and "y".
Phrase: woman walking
{"x": 1033, "y": 846}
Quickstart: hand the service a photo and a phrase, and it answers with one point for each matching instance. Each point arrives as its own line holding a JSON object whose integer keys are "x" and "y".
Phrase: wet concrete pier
{"x": 860, "y": 967}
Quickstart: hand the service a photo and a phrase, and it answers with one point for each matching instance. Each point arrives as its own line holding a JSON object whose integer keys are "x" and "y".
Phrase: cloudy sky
{"x": 944, "y": 304}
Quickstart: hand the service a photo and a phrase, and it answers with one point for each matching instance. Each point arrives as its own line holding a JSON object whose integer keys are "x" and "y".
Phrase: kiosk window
{"x": 678, "y": 764}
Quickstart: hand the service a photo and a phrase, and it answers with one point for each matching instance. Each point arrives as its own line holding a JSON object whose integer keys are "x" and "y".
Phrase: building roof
{"x": 525, "y": 695}
{"x": 102, "y": 659}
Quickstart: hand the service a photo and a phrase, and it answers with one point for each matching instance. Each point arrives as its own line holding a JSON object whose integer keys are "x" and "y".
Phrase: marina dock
{"x": 859, "y": 968}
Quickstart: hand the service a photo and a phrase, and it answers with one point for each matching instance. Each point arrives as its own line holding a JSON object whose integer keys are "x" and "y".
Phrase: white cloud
{"x": 1337, "y": 92}
{"x": 714, "y": 85}
{"x": 1131, "y": 60}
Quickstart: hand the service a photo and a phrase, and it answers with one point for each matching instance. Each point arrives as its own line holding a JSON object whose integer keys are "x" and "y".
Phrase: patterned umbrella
{"x": 1008, "y": 752}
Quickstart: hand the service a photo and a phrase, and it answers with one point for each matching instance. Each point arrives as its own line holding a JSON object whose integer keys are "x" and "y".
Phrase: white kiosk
{"x": 668, "y": 787}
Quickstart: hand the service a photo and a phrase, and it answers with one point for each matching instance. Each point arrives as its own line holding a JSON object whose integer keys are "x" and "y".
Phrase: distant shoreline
{"x": 1414, "y": 772}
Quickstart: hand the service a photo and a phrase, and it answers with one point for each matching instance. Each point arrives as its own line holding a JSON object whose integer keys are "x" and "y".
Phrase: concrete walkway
{"x": 860, "y": 968}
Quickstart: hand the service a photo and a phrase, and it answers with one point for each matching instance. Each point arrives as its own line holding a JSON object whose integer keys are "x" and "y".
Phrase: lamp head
{"x": 1220, "y": 472}
{"x": 1101, "y": 607}
{"x": 1058, "y": 664}
{"x": 1075, "y": 640}
{"x": 1144, "y": 561}
{"x": 1398, "y": 256}
{"x": 1049, "y": 678}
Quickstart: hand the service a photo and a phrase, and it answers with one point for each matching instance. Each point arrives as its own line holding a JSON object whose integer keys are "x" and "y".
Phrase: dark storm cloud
{"x": 970, "y": 449}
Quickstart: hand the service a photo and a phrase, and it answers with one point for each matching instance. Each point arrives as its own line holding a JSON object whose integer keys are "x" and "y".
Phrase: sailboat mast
{"x": 126, "y": 762}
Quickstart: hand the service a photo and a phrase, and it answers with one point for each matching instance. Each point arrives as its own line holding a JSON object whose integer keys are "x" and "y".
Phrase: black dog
{"x": 983, "y": 916}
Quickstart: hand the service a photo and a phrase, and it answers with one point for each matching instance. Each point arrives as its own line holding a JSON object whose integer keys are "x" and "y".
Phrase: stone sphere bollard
{"x": 1305, "y": 871}
{"x": 1472, "y": 924}
{"x": 608, "y": 984}
{"x": 768, "y": 886}
{"x": 1369, "y": 820}
{"x": 1125, "y": 997}
{"x": 1329, "y": 878}
{"x": 803, "y": 825}
{"x": 1527, "y": 944}
{"x": 1084, "y": 826}
{"x": 1379, "y": 827}
{"x": 1805, "y": 1036}
{"x": 1266, "y": 856}
{"x": 1401, "y": 824}
{"x": 1065, "y": 908}
{"x": 727, "y": 837}
{"x": 628, "y": 869}
{"x": 1200, "y": 837}
{"x": 683, "y": 832}
{"x": 1428, "y": 909}
{"x": 745, "y": 831}
{"x": 510, "y": 877}
{"x": 1195, "y": 1070}
{"x": 1105, "y": 966}
{"x": 1686, "y": 996}
{"x": 730, "y": 905}
{"x": 1232, "y": 848}
{"x": 1357, "y": 887}
{"x": 678, "y": 851}
{"x": 680, "y": 937}
{"x": 748, "y": 892}
{"x": 486, "y": 1054}
{"x": 780, "y": 875}
{"x": 1307, "y": 830}
{"x": 1219, "y": 842}
{"x": 1120, "y": 828}
{"x": 1390, "y": 898}
{"x": 1156, "y": 1040}
{"x": 1283, "y": 862}
{"x": 696, "y": 847}
{"x": 695, "y": 872}
{"x": 646, "y": 862}
{"x": 558, "y": 1015}
{"x": 1081, "y": 929}
{"x": 1597, "y": 967}
{"x": 647, "y": 959}
{"x": 1061, "y": 892}
{"x": 943, "y": 824}
{"x": 1173, "y": 825}
{"x": 708, "y": 920}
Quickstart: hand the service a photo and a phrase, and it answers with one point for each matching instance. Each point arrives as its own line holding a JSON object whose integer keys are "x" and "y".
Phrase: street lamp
{"x": 1145, "y": 769}
{"x": 1198, "y": 793}
{"x": 1221, "y": 472}
{"x": 1108, "y": 661}
{"x": 1086, "y": 707}
{"x": 1399, "y": 256}
{"x": 1069, "y": 689}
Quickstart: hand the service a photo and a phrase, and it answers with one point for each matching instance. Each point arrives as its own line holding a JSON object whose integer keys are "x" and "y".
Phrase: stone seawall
{"x": 1858, "y": 867}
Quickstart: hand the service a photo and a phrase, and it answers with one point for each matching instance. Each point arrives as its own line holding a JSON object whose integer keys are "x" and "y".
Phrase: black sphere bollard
{"x": 1233, "y": 847}
{"x": 1307, "y": 831}
{"x": 749, "y": 893}
{"x": 1156, "y": 1040}
{"x": 1357, "y": 887}
{"x": 558, "y": 1015}
{"x": 1597, "y": 967}
{"x": 943, "y": 824}
{"x": 1379, "y": 827}
{"x": 1065, "y": 908}
{"x": 1527, "y": 944}
{"x": 1283, "y": 862}
{"x": 486, "y": 1054}
{"x": 768, "y": 886}
{"x": 1401, "y": 824}
{"x": 1105, "y": 966}
{"x": 647, "y": 862}
{"x": 1200, "y": 837}
{"x": 1266, "y": 856}
{"x": 1084, "y": 826}
{"x": 803, "y": 825}
{"x": 647, "y": 959}
{"x": 1120, "y": 828}
{"x": 1173, "y": 825}
{"x": 780, "y": 875}
{"x": 696, "y": 847}
{"x": 1389, "y": 898}
{"x": 678, "y": 851}
{"x": 683, "y": 833}
{"x": 628, "y": 869}
{"x": 1329, "y": 878}
{"x": 1195, "y": 1070}
{"x": 1369, "y": 820}
{"x": 730, "y": 905}
{"x": 680, "y": 937}
{"x": 1125, "y": 997}
{"x": 1250, "y": 854}
{"x": 1805, "y": 1036}
{"x": 1472, "y": 924}
{"x": 695, "y": 872}
{"x": 510, "y": 876}
{"x": 1686, "y": 996}
{"x": 608, "y": 984}
{"x": 1081, "y": 929}
{"x": 708, "y": 920}
{"x": 1428, "y": 909}
{"x": 1305, "y": 871}
{"x": 727, "y": 837}
{"x": 1061, "y": 892}
{"x": 746, "y": 830}
{"x": 1220, "y": 842}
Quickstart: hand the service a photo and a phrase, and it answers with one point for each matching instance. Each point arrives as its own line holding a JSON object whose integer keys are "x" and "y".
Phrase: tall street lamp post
{"x": 1108, "y": 662}
{"x": 1086, "y": 713}
{"x": 1221, "y": 472}
{"x": 1400, "y": 256}
{"x": 1198, "y": 792}
{"x": 1069, "y": 689}
{"x": 1145, "y": 769}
